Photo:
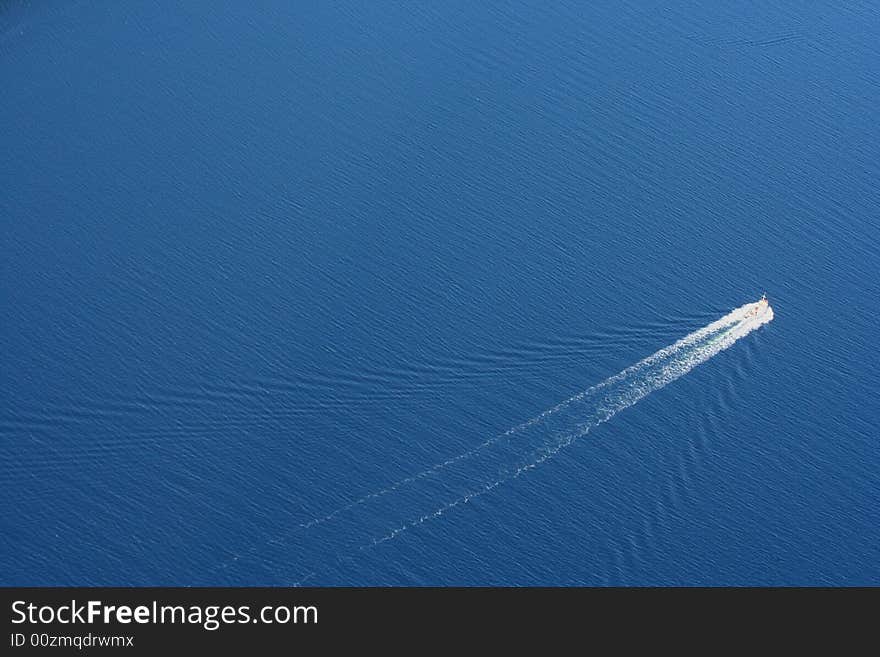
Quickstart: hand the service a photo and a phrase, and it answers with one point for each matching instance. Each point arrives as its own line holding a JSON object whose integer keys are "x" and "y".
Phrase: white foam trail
{"x": 431, "y": 493}
{"x": 576, "y": 416}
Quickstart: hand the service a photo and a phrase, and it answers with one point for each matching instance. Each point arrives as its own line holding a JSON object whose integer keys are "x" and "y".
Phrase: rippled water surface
{"x": 276, "y": 283}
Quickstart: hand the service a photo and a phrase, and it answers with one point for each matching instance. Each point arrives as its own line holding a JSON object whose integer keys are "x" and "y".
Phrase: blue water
{"x": 258, "y": 264}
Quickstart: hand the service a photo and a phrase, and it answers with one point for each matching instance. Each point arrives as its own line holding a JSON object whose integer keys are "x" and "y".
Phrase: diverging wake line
{"x": 384, "y": 514}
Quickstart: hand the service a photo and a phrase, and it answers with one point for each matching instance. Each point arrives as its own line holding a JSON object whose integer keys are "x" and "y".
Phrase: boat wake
{"x": 384, "y": 514}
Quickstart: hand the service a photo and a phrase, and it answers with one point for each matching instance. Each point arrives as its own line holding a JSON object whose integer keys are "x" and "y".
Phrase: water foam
{"x": 382, "y": 515}
{"x": 560, "y": 426}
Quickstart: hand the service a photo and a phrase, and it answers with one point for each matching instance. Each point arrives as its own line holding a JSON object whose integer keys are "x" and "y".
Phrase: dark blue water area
{"x": 261, "y": 262}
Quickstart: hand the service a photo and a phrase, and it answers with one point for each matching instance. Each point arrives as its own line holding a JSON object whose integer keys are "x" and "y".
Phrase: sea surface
{"x": 281, "y": 284}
